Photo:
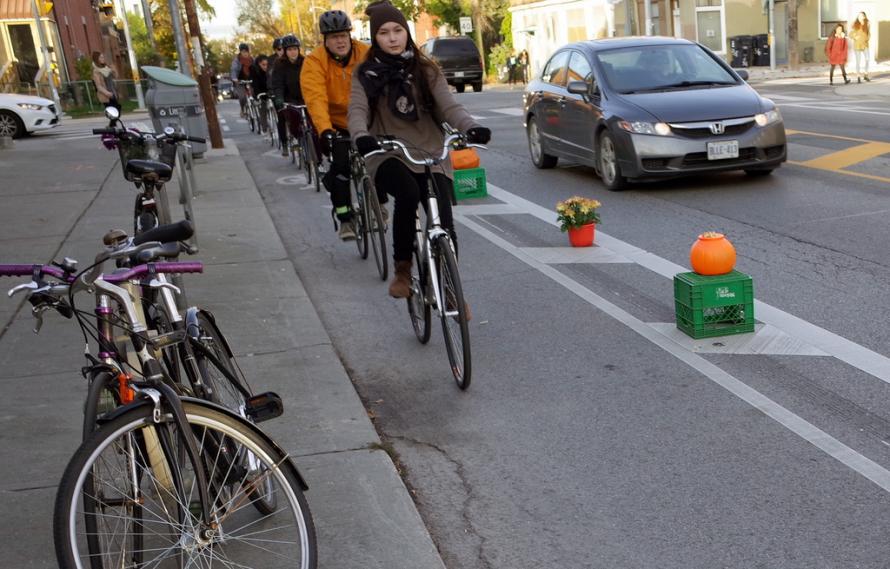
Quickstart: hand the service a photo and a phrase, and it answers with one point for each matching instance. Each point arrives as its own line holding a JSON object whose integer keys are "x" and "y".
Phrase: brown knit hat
{"x": 383, "y": 12}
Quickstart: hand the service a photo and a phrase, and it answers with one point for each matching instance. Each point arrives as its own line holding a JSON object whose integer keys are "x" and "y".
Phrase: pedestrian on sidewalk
{"x": 399, "y": 91}
{"x": 523, "y": 65}
{"x": 860, "y": 34}
{"x": 103, "y": 78}
{"x": 836, "y": 49}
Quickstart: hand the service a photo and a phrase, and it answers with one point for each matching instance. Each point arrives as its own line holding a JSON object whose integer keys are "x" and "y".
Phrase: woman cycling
{"x": 286, "y": 86}
{"x": 400, "y": 92}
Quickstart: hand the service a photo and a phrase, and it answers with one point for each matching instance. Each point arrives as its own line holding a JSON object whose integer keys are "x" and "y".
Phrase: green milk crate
{"x": 470, "y": 183}
{"x": 714, "y": 306}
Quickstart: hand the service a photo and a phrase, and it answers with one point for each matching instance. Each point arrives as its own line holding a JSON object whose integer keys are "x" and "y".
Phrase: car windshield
{"x": 661, "y": 67}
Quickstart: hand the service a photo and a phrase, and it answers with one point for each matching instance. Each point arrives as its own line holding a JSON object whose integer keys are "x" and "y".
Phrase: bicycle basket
{"x": 136, "y": 149}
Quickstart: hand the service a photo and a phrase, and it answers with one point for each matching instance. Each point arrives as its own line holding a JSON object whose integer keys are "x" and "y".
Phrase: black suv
{"x": 459, "y": 60}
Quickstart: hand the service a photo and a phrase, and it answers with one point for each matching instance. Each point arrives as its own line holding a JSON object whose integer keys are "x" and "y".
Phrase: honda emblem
{"x": 717, "y": 127}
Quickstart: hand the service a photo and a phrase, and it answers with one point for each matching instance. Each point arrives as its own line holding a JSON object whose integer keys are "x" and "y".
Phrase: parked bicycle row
{"x": 173, "y": 469}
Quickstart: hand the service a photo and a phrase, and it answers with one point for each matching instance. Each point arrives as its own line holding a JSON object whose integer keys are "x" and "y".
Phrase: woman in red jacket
{"x": 836, "y": 50}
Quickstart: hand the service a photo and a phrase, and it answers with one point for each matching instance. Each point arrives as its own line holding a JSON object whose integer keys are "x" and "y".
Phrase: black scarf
{"x": 391, "y": 74}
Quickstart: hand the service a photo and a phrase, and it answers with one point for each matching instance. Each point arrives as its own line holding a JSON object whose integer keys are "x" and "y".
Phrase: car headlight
{"x": 30, "y": 106}
{"x": 640, "y": 127}
{"x": 768, "y": 117}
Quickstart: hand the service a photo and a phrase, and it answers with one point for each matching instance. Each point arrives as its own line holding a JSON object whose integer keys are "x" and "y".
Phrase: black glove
{"x": 278, "y": 102}
{"x": 367, "y": 144}
{"x": 478, "y": 135}
{"x": 327, "y": 141}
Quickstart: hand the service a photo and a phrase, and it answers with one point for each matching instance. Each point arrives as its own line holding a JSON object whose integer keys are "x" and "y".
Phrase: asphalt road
{"x": 592, "y": 435}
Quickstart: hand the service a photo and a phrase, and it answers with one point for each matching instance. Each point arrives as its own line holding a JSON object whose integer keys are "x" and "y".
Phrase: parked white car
{"x": 21, "y": 114}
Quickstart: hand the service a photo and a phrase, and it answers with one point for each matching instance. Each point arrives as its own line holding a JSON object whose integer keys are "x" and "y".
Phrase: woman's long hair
{"x": 421, "y": 67}
{"x": 857, "y": 25}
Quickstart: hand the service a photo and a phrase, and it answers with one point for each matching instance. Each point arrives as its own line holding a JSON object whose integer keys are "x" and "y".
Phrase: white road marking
{"x": 512, "y": 111}
{"x": 837, "y": 346}
{"x": 766, "y": 340}
{"x": 796, "y": 424}
{"x": 226, "y": 128}
{"x": 838, "y": 108}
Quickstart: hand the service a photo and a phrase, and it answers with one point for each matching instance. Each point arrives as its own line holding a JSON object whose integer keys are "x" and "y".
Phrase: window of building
{"x": 831, "y": 14}
{"x": 577, "y": 25}
{"x": 710, "y": 25}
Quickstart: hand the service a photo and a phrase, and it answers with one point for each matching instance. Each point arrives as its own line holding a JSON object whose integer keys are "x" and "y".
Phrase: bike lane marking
{"x": 788, "y": 419}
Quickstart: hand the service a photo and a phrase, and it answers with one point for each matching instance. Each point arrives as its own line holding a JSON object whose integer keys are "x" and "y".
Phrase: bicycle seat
{"x": 150, "y": 169}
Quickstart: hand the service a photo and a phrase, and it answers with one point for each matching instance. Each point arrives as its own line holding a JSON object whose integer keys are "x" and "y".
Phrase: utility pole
{"x": 150, "y": 28}
{"x": 134, "y": 66}
{"x": 793, "y": 54}
{"x": 647, "y": 11}
{"x": 772, "y": 35}
{"x": 477, "y": 25}
{"x": 203, "y": 74}
{"x": 47, "y": 64}
{"x": 185, "y": 66}
{"x": 628, "y": 18}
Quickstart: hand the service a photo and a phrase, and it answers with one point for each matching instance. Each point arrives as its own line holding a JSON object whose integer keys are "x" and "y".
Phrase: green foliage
{"x": 84, "y": 67}
{"x": 497, "y": 58}
{"x": 217, "y": 55}
{"x": 507, "y": 30}
{"x": 409, "y": 8}
{"x": 576, "y": 212}
{"x": 145, "y": 53}
{"x": 448, "y": 12}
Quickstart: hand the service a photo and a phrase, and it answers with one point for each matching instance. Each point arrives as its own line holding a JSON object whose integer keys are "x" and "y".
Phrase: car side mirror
{"x": 578, "y": 88}
{"x": 742, "y": 73}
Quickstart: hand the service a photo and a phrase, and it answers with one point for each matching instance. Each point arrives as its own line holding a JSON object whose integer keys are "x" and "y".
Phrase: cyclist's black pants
{"x": 405, "y": 186}
{"x": 336, "y": 180}
{"x": 282, "y": 127}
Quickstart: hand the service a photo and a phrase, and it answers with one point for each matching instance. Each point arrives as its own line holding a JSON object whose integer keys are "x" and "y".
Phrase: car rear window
{"x": 657, "y": 67}
{"x": 454, "y": 47}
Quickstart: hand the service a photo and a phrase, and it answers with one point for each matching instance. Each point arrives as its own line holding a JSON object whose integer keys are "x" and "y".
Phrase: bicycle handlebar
{"x": 389, "y": 143}
{"x": 179, "y": 231}
{"x": 178, "y": 267}
{"x": 173, "y": 136}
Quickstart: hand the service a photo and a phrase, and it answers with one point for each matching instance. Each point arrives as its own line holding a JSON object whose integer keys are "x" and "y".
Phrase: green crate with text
{"x": 470, "y": 183}
{"x": 714, "y": 306}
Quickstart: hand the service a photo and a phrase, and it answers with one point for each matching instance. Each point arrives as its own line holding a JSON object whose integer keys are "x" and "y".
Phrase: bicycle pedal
{"x": 264, "y": 406}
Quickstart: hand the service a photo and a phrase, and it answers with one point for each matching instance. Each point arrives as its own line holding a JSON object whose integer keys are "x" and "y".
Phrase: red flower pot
{"x": 582, "y": 236}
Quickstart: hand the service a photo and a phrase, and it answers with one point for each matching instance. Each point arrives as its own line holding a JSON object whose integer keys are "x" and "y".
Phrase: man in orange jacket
{"x": 326, "y": 81}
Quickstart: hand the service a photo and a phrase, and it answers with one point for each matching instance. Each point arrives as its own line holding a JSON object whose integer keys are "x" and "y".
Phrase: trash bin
{"x": 173, "y": 100}
{"x": 741, "y": 49}
{"x": 761, "y": 50}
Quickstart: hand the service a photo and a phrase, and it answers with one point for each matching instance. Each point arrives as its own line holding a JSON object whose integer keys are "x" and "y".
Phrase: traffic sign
{"x": 466, "y": 24}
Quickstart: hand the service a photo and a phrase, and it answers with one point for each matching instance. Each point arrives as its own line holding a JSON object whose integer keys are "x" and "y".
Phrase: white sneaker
{"x": 347, "y": 231}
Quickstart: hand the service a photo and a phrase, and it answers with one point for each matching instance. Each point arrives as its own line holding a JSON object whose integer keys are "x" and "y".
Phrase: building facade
{"x": 540, "y": 26}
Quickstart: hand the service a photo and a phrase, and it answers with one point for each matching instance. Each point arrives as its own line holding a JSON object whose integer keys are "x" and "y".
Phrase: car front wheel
{"x": 536, "y": 147}
{"x": 610, "y": 171}
{"x": 11, "y": 125}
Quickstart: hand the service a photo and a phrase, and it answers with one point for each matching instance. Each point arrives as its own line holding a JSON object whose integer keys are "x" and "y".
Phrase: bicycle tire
{"x": 163, "y": 205}
{"x": 418, "y": 307}
{"x": 455, "y": 327}
{"x": 377, "y": 227}
{"x": 313, "y": 161}
{"x": 360, "y": 221}
{"x": 299, "y": 154}
{"x": 127, "y": 457}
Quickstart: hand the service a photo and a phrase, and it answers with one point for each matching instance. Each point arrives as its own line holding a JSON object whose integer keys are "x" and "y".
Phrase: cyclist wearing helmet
{"x": 398, "y": 91}
{"x": 278, "y": 54}
{"x": 286, "y": 85}
{"x": 240, "y": 71}
{"x": 325, "y": 79}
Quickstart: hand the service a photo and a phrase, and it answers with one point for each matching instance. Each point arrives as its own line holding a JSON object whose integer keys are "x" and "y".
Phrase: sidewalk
{"x": 363, "y": 512}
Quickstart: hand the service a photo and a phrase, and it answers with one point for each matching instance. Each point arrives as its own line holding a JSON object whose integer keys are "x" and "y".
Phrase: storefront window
{"x": 831, "y": 14}
{"x": 709, "y": 25}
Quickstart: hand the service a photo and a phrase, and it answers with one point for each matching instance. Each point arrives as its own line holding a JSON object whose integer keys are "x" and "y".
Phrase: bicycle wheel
{"x": 272, "y": 121}
{"x": 250, "y": 117}
{"x": 298, "y": 154}
{"x": 313, "y": 173}
{"x": 454, "y": 313}
{"x": 376, "y": 226}
{"x": 360, "y": 220}
{"x": 146, "y": 507}
{"x": 418, "y": 308}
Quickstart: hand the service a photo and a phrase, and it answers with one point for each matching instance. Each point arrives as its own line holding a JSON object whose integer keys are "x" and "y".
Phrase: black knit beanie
{"x": 383, "y": 12}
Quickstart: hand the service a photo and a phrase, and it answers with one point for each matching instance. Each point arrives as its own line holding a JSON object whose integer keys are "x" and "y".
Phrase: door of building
{"x": 24, "y": 50}
{"x": 781, "y": 31}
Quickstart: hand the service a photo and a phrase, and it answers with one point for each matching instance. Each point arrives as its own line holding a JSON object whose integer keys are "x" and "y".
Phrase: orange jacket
{"x": 326, "y": 85}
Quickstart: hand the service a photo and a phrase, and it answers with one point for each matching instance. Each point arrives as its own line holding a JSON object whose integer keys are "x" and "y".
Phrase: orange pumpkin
{"x": 464, "y": 159}
{"x": 712, "y": 254}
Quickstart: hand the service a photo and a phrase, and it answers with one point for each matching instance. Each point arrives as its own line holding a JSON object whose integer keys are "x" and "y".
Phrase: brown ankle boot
{"x": 400, "y": 286}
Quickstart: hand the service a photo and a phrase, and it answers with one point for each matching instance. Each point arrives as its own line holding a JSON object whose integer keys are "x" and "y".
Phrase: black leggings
{"x": 405, "y": 186}
{"x": 843, "y": 71}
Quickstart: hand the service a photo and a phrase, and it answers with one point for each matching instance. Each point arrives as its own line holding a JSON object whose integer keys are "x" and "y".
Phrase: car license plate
{"x": 723, "y": 150}
{"x": 458, "y": 73}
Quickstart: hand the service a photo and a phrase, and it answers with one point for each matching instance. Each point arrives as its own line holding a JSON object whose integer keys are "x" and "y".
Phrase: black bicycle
{"x": 303, "y": 150}
{"x": 370, "y": 224}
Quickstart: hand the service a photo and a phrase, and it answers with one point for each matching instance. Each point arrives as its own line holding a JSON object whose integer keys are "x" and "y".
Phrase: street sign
{"x": 466, "y": 24}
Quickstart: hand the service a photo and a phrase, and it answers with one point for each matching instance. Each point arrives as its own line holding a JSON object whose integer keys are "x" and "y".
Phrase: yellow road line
{"x": 849, "y": 156}
{"x": 847, "y": 172}
{"x": 790, "y": 132}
